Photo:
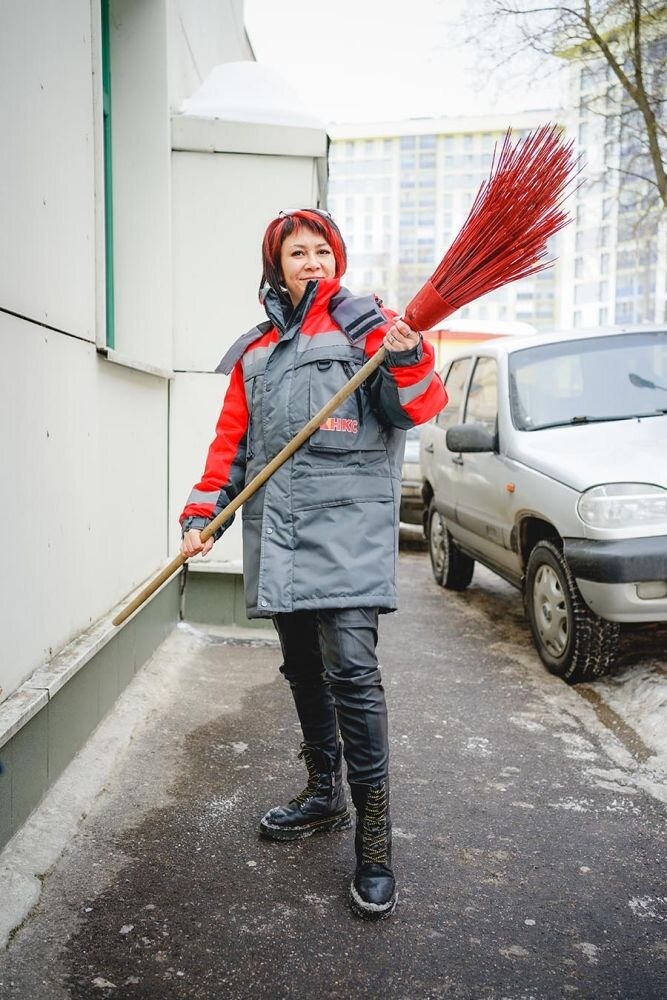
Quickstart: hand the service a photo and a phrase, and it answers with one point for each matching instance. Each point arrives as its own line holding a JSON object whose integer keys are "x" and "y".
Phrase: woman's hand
{"x": 192, "y": 544}
{"x": 400, "y": 337}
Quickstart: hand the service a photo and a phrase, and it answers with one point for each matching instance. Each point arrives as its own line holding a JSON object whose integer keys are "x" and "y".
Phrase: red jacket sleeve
{"x": 407, "y": 389}
{"x": 224, "y": 474}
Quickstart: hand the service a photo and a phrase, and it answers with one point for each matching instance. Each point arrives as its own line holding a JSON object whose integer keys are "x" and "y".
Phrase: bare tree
{"x": 622, "y": 45}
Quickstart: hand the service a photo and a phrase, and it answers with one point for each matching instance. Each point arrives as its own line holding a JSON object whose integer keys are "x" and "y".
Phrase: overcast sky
{"x": 373, "y": 60}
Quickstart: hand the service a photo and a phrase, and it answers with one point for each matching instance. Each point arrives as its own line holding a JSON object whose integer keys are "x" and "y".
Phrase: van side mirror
{"x": 470, "y": 438}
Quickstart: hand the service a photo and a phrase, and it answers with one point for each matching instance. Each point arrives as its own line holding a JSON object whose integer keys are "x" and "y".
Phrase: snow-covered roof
{"x": 249, "y": 92}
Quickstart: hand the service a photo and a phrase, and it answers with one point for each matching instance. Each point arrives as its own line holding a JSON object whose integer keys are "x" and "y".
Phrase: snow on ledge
{"x": 249, "y": 92}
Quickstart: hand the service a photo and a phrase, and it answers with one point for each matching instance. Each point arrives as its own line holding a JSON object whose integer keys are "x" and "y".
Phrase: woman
{"x": 320, "y": 539}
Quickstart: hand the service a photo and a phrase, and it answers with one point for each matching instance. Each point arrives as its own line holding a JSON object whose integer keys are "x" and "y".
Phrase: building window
{"x": 586, "y": 80}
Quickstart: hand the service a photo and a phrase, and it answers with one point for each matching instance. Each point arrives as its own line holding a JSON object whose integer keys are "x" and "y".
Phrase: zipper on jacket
{"x": 349, "y": 371}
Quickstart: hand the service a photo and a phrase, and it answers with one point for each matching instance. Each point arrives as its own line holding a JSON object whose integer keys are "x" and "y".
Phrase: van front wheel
{"x": 573, "y": 642}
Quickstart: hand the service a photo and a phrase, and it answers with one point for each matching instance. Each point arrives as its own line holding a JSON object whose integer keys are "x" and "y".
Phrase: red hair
{"x": 283, "y": 226}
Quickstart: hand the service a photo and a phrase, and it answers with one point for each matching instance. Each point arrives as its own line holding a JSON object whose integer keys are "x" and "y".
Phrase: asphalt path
{"x": 529, "y": 835}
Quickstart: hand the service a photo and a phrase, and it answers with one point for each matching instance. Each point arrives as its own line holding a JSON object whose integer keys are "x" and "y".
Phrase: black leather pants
{"x": 331, "y": 665}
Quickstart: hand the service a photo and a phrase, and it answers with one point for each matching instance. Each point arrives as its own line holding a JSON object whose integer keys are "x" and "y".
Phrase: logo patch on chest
{"x": 340, "y": 424}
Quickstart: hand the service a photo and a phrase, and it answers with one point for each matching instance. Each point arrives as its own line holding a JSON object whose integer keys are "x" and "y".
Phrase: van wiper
{"x": 574, "y": 421}
{"x": 644, "y": 383}
{"x": 601, "y": 420}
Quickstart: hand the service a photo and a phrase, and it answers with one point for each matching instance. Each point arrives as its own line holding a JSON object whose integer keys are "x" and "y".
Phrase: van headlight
{"x": 624, "y": 505}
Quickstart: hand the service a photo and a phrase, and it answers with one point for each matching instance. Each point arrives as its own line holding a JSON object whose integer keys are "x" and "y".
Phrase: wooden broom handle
{"x": 259, "y": 480}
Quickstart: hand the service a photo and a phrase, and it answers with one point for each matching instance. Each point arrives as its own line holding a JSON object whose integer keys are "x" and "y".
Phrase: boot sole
{"x": 371, "y": 911}
{"x": 329, "y": 824}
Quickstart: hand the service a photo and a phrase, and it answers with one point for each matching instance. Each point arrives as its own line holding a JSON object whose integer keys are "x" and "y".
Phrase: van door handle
{"x": 457, "y": 460}
{"x": 429, "y": 448}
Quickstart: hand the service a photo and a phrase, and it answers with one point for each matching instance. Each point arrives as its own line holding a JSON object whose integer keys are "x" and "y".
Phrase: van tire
{"x": 452, "y": 568}
{"x": 573, "y": 642}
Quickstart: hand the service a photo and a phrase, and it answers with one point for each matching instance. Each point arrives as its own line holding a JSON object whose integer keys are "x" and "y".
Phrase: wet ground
{"x": 530, "y": 837}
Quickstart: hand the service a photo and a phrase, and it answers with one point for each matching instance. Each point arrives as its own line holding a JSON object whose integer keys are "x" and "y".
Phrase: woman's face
{"x": 305, "y": 256}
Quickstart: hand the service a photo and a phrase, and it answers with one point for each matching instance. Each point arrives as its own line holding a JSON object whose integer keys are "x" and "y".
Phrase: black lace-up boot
{"x": 320, "y": 806}
{"x": 373, "y": 892}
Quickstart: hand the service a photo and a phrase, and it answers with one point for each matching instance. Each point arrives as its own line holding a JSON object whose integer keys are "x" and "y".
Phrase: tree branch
{"x": 636, "y": 91}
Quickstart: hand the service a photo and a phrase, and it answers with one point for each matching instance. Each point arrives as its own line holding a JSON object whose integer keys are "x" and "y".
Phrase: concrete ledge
{"x": 19, "y": 710}
{"x": 47, "y": 721}
{"x": 212, "y": 135}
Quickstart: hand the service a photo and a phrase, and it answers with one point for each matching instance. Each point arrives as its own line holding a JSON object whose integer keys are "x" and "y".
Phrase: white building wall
{"x": 84, "y": 447}
{"x": 141, "y": 150}
{"x": 84, "y": 442}
{"x": 47, "y": 191}
{"x": 222, "y": 205}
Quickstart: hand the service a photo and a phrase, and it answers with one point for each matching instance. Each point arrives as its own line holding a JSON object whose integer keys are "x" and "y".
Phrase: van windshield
{"x": 589, "y": 380}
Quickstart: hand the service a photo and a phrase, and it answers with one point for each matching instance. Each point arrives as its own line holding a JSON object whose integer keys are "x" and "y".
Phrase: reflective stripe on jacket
{"x": 323, "y": 531}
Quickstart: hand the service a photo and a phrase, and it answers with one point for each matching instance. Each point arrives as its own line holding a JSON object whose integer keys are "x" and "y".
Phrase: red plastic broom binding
{"x": 505, "y": 235}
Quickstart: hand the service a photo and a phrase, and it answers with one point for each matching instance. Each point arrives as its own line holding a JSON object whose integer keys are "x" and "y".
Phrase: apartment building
{"x": 617, "y": 272}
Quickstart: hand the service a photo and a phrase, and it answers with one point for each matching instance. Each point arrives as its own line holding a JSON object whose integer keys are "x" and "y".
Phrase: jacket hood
{"x": 317, "y": 296}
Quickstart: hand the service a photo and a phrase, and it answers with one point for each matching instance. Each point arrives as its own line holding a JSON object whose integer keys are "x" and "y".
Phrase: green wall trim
{"x": 39, "y": 752}
{"x": 218, "y": 599}
{"x": 108, "y": 178}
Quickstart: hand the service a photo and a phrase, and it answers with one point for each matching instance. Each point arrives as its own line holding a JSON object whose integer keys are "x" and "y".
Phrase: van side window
{"x": 482, "y": 404}
{"x": 455, "y": 383}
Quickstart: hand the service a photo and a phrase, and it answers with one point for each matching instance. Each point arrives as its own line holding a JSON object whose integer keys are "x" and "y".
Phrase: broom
{"x": 505, "y": 235}
{"x": 503, "y": 238}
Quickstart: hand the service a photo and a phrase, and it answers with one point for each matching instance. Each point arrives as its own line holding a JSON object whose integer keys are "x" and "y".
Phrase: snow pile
{"x": 639, "y": 696}
{"x": 249, "y": 92}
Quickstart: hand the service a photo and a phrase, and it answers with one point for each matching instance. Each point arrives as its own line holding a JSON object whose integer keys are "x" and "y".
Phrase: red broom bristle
{"x": 504, "y": 237}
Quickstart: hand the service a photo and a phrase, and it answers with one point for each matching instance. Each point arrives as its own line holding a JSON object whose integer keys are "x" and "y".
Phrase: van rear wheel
{"x": 452, "y": 568}
{"x": 573, "y": 642}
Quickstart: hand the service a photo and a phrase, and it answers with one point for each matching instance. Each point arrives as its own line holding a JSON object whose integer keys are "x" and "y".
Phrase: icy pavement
{"x": 529, "y": 832}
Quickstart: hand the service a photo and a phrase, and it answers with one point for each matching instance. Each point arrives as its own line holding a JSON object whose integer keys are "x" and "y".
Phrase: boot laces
{"x": 313, "y": 776}
{"x": 374, "y": 851}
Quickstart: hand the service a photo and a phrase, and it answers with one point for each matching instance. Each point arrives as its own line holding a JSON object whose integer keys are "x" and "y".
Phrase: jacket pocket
{"x": 352, "y": 426}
